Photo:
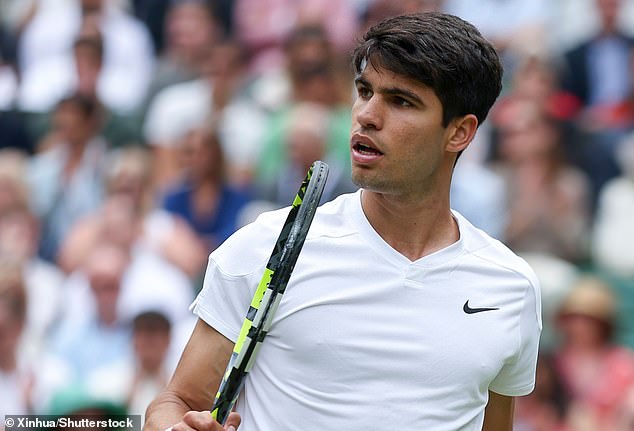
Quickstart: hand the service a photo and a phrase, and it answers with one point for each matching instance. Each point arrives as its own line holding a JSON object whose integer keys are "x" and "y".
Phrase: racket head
{"x": 271, "y": 288}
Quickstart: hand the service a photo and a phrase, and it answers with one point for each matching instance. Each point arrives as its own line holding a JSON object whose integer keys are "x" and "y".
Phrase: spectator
{"x": 263, "y": 26}
{"x": 515, "y": 27}
{"x": 203, "y": 198}
{"x": 312, "y": 78}
{"x": 83, "y": 75}
{"x": 536, "y": 79}
{"x": 66, "y": 178}
{"x": 47, "y": 40}
{"x": 99, "y": 336}
{"x": 595, "y": 371}
{"x": 598, "y": 70}
{"x": 42, "y": 280}
{"x": 190, "y": 29}
{"x": 220, "y": 97}
{"x": 19, "y": 239}
{"x": 612, "y": 247}
{"x": 305, "y": 142}
{"x": 26, "y": 382}
{"x": 373, "y": 11}
{"x": 309, "y": 73}
{"x": 548, "y": 200}
{"x": 129, "y": 217}
{"x": 599, "y": 74}
{"x": 134, "y": 382}
{"x": 80, "y": 73}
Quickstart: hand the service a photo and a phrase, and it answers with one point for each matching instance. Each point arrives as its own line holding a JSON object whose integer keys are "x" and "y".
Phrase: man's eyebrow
{"x": 391, "y": 91}
{"x": 396, "y": 91}
{"x": 358, "y": 80}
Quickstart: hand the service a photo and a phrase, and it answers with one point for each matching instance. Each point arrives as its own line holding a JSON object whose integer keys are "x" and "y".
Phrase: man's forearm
{"x": 166, "y": 410}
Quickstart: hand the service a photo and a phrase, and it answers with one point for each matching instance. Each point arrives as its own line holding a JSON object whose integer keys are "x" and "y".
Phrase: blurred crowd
{"x": 137, "y": 135}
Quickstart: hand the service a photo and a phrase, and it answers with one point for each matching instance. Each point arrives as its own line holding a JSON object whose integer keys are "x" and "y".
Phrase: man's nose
{"x": 370, "y": 114}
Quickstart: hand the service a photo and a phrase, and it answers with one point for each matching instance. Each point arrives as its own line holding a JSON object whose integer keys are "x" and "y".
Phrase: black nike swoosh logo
{"x": 470, "y": 310}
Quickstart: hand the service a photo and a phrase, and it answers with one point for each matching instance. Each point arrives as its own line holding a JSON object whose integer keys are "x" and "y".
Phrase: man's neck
{"x": 413, "y": 227}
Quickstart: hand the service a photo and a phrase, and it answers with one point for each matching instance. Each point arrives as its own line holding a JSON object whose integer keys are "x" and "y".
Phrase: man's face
{"x": 72, "y": 125}
{"x": 397, "y": 139}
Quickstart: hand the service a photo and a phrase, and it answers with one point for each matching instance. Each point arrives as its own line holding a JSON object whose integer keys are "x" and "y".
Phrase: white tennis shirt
{"x": 365, "y": 339}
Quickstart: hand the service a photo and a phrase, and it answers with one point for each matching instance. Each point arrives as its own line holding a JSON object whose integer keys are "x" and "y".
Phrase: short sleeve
{"x": 233, "y": 274}
{"x": 223, "y": 301}
{"x": 517, "y": 377}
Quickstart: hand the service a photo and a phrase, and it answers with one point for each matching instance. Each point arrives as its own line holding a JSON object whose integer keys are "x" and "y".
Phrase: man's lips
{"x": 363, "y": 150}
{"x": 363, "y": 145}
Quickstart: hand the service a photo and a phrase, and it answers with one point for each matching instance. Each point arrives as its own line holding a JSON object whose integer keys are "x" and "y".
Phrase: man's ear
{"x": 461, "y": 132}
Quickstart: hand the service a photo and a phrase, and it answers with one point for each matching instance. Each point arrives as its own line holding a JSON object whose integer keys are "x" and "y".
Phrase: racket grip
{"x": 227, "y": 394}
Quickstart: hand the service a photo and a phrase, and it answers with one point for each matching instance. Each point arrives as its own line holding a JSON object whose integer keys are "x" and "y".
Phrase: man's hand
{"x": 202, "y": 421}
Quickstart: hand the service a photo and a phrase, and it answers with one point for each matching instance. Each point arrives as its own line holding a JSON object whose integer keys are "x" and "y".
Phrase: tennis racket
{"x": 269, "y": 292}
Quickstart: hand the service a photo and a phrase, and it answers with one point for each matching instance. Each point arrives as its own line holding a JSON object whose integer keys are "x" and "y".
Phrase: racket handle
{"x": 228, "y": 393}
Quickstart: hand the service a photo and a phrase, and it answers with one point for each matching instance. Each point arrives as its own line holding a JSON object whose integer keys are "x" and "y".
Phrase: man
{"x": 66, "y": 177}
{"x": 399, "y": 314}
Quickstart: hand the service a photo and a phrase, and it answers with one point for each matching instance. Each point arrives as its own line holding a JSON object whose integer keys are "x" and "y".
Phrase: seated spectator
{"x": 42, "y": 280}
{"x": 310, "y": 72}
{"x": 19, "y": 240}
{"x": 263, "y": 26}
{"x": 548, "y": 199}
{"x": 596, "y": 372}
{"x": 305, "y": 142}
{"x": 136, "y": 381}
{"x": 514, "y": 26}
{"x": 190, "y": 28}
{"x": 598, "y": 69}
{"x": 26, "y": 383}
{"x": 219, "y": 96}
{"x": 599, "y": 73}
{"x": 66, "y": 178}
{"x": 96, "y": 336}
{"x": 82, "y": 74}
{"x": 204, "y": 198}
{"x": 45, "y": 50}
{"x": 612, "y": 246}
{"x": 129, "y": 217}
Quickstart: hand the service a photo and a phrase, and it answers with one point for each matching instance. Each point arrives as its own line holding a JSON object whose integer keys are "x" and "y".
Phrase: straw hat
{"x": 590, "y": 297}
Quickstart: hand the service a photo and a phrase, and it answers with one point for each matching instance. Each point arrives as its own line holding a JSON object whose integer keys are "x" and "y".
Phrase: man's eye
{"x": 401, "y": 102}
{"x": 364, "y": 93}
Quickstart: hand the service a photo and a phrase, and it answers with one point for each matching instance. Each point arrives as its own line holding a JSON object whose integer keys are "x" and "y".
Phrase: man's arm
{"x": 498, "y": 414}
{"x": 194, "y": 384}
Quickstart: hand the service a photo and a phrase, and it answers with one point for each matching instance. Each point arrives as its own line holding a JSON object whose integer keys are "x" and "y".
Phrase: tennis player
{"x": 400, "y": 314}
